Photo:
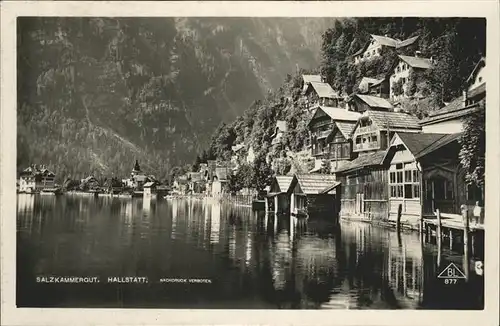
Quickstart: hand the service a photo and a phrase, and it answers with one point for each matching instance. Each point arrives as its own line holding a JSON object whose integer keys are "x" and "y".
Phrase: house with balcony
{"x": 450, "y": 118}
{"x": 407, "y": 70}
{"x": 375, "y": 128}
{"x": 322, "y": 94}
{"x": 330, "y": 129}
{"x": 377, "y": 43}
{"x": 34, "y": 178}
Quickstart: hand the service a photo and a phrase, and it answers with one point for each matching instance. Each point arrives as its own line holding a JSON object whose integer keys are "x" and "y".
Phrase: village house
{"x": 450, "y": 119}
{"x": 150, "y": 189}
{"x": 330, "y": 130}
{"x": 137, "y": 178}
{"x": 378, "y": 87}
{"x": 34, "y": 179}
{"x": 322, "y": 94}
{"x": 277, "y": 199}
{"x": 407, "y": 70}
{"x": 308, "y": 79}
{"x": 180, "y": 185}
{"x": 314, "y": 195}
{"x": 361, "y": 103}
{"x": 375, "y": 128}
{"x": 377, "y": 43}
{"x": 364, "y": 187}
{"x": 425, "y": 175}
{"x": 89, "y": 183}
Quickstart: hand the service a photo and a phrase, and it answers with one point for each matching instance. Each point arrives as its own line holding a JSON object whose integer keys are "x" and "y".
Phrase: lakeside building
{"x": 377, "y": 44}
{"x": 450, "y": 119}
{"x": 278, "y": 200}
{"x": 137, "y": 178}
{"x": 34, "y": 179}
{"x": 314, "y": 195}
{"x": 424, "y": 175}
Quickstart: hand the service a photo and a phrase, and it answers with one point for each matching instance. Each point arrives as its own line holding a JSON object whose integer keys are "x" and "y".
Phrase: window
{"x": 404, "y": 181}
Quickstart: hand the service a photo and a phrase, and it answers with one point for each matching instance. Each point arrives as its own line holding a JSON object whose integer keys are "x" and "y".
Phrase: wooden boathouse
{"x": 277, "y": 199}
{"x": 425, "y": 176}
{"x": 314, "y": 194}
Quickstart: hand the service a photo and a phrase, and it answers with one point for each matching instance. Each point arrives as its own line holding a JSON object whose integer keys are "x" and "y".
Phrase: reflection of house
{"x": 279, "y": 131}
{"x": 321, "y": 94}
{"x": 424, "y": 165}
{"x": 314, "y": 194}
{"x": 405, "y": 68}
{"x": 277, "y": 199}
{"x": 449, "y": 119}
{"x": 374, "y": 129}
{"x": 34, "y": 179}
{"x": 374, "y": 47}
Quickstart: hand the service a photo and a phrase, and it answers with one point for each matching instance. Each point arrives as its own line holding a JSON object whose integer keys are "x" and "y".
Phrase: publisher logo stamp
{"x": 451, "y": 274}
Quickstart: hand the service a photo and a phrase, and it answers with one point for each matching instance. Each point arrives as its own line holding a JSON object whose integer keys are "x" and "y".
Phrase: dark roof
{"x": 477, "y": 90}
{"x": 417, "y": 62}
{"x": 337, "y": 114}
{"x": 422, "y": 144}
{"x": 362, "y": 161}
{"x": 395, "y": 120}
{"x": 454, "y": 109}
{"x": 312, "y": 184}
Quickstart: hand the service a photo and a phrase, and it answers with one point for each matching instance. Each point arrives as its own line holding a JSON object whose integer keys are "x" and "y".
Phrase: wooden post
{"x": 438, "y": 237}
{"x": 276, "y": 204}
{"x": 451, "y": 238}
{"x": 398, "y": 219}
{"x": 266, "y": 202}
{"x": 465, "y": 219}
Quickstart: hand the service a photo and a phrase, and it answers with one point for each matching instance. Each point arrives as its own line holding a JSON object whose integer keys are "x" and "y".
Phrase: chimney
{"x": 418, "y": 54}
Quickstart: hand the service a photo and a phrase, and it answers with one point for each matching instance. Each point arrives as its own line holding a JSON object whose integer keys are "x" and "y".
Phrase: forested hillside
{"x": 456, "y": 44}
{"x": 94, "y": 94}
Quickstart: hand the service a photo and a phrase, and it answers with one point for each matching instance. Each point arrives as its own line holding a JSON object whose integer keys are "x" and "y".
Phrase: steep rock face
{"x": 96, "y": 93}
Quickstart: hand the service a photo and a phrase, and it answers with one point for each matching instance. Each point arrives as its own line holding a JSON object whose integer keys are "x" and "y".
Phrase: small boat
{"x": 51, "y": 191}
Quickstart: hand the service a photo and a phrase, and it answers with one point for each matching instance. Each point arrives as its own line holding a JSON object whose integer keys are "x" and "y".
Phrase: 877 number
{"x": 450, "y": 281}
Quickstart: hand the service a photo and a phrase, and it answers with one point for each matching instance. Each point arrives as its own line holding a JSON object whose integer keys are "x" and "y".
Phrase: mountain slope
{"x": 96, "y": 93}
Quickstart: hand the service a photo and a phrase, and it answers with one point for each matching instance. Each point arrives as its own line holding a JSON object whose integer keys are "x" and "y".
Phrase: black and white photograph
{"x": 264, "y": 163}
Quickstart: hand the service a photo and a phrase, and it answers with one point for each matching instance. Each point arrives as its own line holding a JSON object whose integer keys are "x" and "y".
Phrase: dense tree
{"x": 473, "y": 147}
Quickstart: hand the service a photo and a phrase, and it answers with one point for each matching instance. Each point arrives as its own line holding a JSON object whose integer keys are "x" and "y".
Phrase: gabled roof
{"x": 346, "y": 128}
{"x": 394, "y": 120}
{"x": 477, "y": 90}
{"x": 416, "y": 62}
{"x": 375, "y": 101}
{"x": 454, "y": 109}
{"x": 313, "y": 184}
{"x": 406, "y": 42}
{"x": 283, "y": 182}
{"x": 324, "y": 90}
{"x": 337, "y": 114}
{"x": 149, "y": 184}
{"x": 363, "y": 161}
{"x": 422, "y": 144}
{"x": 237, "y": 147}
{"x": 311, "y": 78}
{"x": 481, "y": 63}
{"x": 385, "y": 40}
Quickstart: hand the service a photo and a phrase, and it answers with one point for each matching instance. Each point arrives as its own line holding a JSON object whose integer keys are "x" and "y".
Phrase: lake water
{"x": 243, "y": 259}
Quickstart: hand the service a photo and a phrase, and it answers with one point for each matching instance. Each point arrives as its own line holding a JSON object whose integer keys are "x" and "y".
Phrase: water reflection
{"x": 254, "y": 260}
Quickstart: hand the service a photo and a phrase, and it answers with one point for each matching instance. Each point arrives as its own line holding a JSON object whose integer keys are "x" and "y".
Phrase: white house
{"x": 373, "y": 48}
{"x": 403, "y": 68}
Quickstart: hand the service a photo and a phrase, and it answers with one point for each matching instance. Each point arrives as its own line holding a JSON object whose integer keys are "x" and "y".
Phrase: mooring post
{"x": 438, "y": 228}
{"x": 465, "y": 219}
{"x": 451, "y": 238}
{"x": 398, "y": 219}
